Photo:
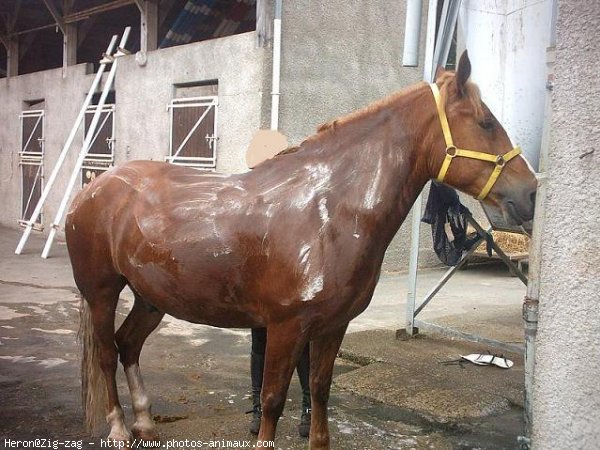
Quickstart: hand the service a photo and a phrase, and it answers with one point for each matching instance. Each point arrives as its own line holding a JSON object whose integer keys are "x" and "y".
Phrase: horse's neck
{"x": 382, "y": 172}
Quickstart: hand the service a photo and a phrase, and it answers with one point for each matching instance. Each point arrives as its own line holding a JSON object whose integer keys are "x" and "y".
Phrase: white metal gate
{"x": 101, "y": 154}
{"x": 193, "y": 131}
{"x": 31, "y": 160}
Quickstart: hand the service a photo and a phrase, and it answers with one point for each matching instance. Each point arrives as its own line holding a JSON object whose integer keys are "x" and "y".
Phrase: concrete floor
{"x": 387, "y": 393}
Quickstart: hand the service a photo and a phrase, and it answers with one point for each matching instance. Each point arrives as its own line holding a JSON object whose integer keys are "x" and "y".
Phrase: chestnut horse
{"x": 295, "y": 246}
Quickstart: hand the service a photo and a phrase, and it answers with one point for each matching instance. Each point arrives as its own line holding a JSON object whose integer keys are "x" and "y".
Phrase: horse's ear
{"x": 439, "y": 72}
{"x": 463, "y": 72}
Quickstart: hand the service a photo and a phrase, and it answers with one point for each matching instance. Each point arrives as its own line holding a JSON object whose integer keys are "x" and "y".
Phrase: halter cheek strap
{"x": 452, "y": 151}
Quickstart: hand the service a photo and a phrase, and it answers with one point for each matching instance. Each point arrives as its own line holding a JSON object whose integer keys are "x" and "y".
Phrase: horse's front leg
{"x": 323, "y": 351}
{"x": 285, "y": 343}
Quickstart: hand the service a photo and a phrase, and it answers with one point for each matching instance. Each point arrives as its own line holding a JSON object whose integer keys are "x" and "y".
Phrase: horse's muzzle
{"x": 520, "y": 210}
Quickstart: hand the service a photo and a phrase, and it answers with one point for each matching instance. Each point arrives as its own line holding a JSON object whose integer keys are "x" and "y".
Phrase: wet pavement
{"x": 387, "y": 393}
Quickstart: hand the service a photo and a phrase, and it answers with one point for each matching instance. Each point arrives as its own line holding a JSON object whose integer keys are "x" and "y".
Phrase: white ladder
{"x": 108, "y": 58}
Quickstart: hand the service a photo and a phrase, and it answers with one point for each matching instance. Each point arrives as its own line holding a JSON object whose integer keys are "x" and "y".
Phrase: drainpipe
{"x": 412, "y": 33}
{"x": 276, "y": 66}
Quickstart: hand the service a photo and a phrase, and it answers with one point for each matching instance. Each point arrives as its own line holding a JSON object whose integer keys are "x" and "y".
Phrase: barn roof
{"x": 37, "y": 24}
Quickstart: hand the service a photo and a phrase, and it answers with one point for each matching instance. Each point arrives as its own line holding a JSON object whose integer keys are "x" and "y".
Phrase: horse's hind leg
{"x": 323, "y": 352}
{"x": 285, "y": 343}
{"x": 130, "y": 338}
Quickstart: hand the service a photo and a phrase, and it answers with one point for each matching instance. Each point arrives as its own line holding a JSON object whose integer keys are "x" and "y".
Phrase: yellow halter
{"x": 452, "y": 151}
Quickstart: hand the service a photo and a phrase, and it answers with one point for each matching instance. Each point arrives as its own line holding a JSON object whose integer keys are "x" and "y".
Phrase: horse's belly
{"x": 205, "y": 294}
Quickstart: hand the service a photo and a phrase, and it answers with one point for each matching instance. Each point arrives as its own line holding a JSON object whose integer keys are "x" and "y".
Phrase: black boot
{"x": 257, "y": 364}
{"x": 304, "y": 427}
{"x": 303, "y": 370}
{"x": 256, "y": 417}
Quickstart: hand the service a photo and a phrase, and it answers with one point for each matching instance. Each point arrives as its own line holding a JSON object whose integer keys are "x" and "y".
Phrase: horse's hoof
{"x": 145, "y": 434}
{"x": 122, "y": 437}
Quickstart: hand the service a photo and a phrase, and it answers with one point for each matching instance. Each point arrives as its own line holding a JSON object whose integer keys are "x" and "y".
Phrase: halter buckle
{"x": 500, "y": 161}
{"x": 451, "y": 151}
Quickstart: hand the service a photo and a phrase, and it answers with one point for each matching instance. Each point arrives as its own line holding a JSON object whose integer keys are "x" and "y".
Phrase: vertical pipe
{"x": 412, "y": 33}
{"x": 276, "y": 66}
{"x": 428, "y": 70}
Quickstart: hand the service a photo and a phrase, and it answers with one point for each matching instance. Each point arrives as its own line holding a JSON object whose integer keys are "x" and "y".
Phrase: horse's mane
{"x": 287, "y": 151}
{"x": 471, "y": 91}
{"x": 447, "y": 92}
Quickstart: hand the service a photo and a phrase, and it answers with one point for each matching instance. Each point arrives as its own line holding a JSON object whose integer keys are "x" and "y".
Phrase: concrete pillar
{"x": 566, "y": 394}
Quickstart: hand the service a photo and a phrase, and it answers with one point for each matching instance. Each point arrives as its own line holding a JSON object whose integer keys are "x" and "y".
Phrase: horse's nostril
{"x": 532, "y": 197}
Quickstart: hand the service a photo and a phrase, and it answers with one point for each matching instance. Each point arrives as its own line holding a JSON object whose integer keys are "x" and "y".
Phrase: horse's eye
{"x": 487, "y": 124}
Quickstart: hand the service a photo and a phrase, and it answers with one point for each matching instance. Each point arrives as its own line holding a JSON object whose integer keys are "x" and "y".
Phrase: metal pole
{"x": 64, "y": 151}
{"x": 413, "y": 262}
{"x": 446, "y": 32}
{"x": 503, "y": 256}
{"x": 85, "y": 148}
{"x": 276, "y": 66}
{"x": 440, "y": 284}
{"x": 433, "y": 57}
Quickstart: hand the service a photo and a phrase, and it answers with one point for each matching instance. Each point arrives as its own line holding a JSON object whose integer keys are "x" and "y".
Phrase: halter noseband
{"x": 452, "y": 151}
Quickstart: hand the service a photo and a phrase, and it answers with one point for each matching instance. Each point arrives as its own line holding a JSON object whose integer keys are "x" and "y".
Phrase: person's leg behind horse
{"x": 303, "y": 371}
{"x": 257, "y": 365}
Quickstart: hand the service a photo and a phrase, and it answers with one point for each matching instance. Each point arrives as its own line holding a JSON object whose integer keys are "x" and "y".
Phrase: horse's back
{"x": 146, "y": 205}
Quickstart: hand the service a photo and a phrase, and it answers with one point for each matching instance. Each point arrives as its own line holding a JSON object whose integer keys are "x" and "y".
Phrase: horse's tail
{"x": 93, "y": 385}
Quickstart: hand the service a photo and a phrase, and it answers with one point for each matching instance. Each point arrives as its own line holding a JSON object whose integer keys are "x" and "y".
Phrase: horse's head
{"x": 475, "y": 154}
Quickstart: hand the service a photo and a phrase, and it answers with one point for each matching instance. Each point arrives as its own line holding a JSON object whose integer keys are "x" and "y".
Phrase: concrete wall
{"x": 143, "y": 94}
{"x": 141, "y": 117}
{"x": 338, "y": 56}
{"x": 63, "y": 98}
{"x": 507, "y": 45}
{"x": 566, "y": 401}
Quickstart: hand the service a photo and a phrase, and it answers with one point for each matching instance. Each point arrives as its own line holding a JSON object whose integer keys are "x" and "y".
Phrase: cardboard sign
{"x": 264, "y": 145}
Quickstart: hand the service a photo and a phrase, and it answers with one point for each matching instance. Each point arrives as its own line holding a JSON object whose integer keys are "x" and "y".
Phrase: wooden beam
{"x": 69, "y": 39}
{"x": 12, "y": 58}
{"x": 264, "y": 23}
{"x": 148, "y": 25}
{"x": 12, "y": 20}
{"x": 4, "y": 41}
{"x": 56, "y": 15}
{"x": 31, "y": 30}
{"x": 84, "y": 14}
